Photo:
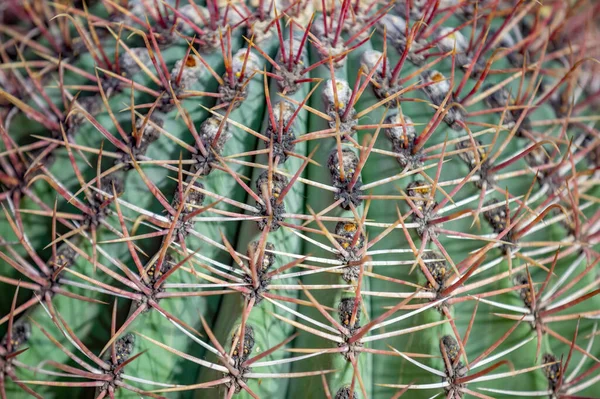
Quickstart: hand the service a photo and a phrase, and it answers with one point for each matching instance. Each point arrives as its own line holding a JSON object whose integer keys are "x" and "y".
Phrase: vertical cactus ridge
{"x": 299, "y": 199}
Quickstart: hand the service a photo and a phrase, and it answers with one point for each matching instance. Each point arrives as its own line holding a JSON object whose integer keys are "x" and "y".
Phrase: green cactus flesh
{"x": 305, "y": 199}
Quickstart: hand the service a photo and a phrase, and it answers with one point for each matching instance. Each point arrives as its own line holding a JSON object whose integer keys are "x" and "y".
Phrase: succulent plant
{"x": 299, "y": 199}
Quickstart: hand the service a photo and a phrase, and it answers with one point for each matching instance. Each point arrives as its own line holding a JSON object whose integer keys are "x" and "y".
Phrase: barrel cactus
{"x": 299, "y": 199}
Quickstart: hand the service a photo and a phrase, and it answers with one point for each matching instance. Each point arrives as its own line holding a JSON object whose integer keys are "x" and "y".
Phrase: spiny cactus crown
{"x": 292, "y": 199}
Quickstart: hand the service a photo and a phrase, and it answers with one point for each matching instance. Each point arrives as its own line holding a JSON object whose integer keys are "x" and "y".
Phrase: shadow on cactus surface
{"x": 299, "y": 199}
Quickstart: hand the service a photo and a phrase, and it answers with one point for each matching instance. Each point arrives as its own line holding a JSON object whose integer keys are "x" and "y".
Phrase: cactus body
{"x": 299, "y": 199}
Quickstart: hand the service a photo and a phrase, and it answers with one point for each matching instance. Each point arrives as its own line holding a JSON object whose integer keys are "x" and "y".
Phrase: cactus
{"x": 299, "y": 199}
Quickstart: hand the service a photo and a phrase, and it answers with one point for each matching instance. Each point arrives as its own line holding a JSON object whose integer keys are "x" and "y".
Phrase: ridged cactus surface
{"x": 299, "y": 199}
